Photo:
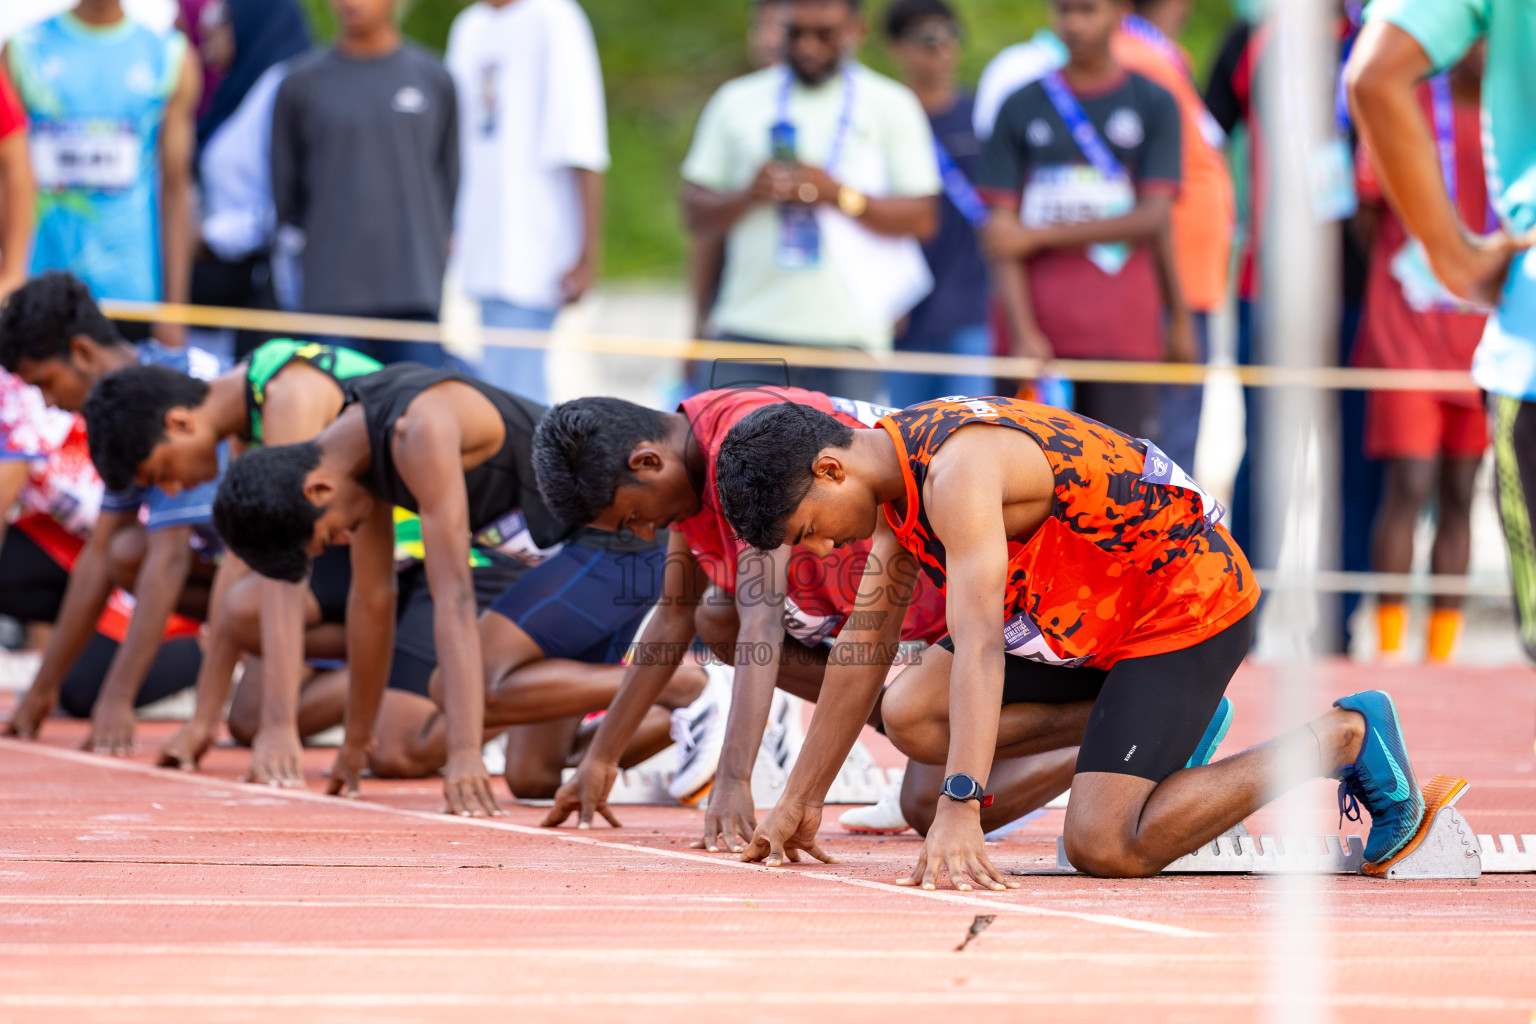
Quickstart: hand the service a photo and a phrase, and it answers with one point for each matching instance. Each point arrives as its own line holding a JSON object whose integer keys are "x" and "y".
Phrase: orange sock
{"x": 1391, "y": 618}
{"x": 1444, "y": 632}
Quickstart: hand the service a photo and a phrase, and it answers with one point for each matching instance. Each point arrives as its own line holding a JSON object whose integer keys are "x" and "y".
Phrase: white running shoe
{"x": 881, "y": 819}
{"x": 782, "y": 740}
{"x": 699, "y": 732}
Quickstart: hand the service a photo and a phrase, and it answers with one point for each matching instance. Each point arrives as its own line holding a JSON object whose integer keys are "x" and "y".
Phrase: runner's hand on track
{"x": 586, "y": 794}
{"x": 731, "y": 818}
{"x": 347, "y": 770}
{"x": 186, "y": 748}
{"x": 34, "y": 706}
{"x": 789, "y": 831}
{"x": 277, "y": 759}
{"x": 112, "y": 727}
{"x": 955, "y": 844}
{"x": 467, "y": 786}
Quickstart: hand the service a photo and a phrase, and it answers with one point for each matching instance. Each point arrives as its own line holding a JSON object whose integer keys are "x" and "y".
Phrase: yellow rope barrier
{"x": 306, "y": 325}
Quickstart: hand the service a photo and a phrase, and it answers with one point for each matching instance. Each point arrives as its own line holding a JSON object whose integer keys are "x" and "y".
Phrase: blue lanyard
{"x": 1445, "y": 130}
{"x": 1134, "y": 24}
{"x": 844, "y": 119}
{"x": 1083, "y": 132}
{"x": 1149, "y": 33}
{"x": 959, "y": 188}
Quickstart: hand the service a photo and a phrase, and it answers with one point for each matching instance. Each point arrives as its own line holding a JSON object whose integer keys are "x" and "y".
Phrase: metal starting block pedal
{"x": 1443, "y": 847}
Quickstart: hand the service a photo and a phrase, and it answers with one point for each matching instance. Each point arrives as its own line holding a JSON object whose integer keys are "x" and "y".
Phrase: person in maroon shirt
{"x": 1426, "y": 438}
{"x": 18, "y": 193}
{"x": 1081, "y": 171}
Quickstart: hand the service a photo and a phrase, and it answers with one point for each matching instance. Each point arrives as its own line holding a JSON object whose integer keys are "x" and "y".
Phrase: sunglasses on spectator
{"x": 933, "y": 38}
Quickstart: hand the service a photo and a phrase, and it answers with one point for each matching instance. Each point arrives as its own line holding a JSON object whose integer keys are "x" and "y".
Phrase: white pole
{"x": 1295, "y": 467}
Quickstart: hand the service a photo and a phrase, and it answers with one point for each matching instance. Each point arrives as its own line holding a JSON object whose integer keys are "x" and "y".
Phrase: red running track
{"x": 136, "y": 894}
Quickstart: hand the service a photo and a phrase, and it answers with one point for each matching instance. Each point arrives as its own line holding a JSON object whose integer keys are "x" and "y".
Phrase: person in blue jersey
{"x": 111, "y": 104}
{"x": 1404, "y": 42}
{"x": 53, "y": 336}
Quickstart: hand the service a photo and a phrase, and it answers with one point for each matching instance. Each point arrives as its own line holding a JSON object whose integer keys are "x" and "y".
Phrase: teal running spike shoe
{"x": 1381, "y": 778}
{"x": 1214, "y": 734}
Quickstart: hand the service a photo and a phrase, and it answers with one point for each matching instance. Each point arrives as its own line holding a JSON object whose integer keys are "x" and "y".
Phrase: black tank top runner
{"x": 500, "y": 485}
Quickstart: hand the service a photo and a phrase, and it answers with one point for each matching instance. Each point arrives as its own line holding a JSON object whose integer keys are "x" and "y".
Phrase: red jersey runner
{"x": 822, "y": 592}
{"x": 1132, "y": 560}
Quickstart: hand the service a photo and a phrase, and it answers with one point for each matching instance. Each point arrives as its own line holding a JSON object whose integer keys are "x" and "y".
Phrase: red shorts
{"x": 1423, "y": 425}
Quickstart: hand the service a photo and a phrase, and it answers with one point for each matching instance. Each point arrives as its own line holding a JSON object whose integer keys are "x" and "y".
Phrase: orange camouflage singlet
{"x": 1131, "y": 562}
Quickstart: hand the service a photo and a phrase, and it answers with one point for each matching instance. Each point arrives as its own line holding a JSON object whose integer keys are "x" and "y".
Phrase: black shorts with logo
{"x": 1148, "y": 713}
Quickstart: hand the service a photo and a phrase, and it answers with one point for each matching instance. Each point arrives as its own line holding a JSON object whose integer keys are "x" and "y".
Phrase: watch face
{"x": 960, "y": 787}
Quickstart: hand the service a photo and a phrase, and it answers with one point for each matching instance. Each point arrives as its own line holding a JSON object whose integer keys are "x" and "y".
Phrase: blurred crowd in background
{"x": 237, "y": 160}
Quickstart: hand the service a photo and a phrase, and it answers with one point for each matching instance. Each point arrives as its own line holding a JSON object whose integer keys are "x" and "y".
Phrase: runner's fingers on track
{"x": 112, "y": 733}
{"x": 346, "y": 772}
{"x": 185, "y": 749}
{"x": 920, "y": 874}
{"x": 28, "y": 715}
{"x": 470, "y": 796}
{"x": 728, "y": 831}
{"x": 758, "y": 849}
{"x": 966, "y": 873}
{"x": 564, "y": 806}
{"x": 607, "y": 814}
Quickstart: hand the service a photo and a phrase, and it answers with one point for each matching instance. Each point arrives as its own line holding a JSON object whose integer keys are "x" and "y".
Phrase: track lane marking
{"x": 998, "y": 903}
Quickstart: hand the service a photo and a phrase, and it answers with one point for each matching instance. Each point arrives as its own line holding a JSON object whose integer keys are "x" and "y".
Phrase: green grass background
{"x": 663, "y": 58}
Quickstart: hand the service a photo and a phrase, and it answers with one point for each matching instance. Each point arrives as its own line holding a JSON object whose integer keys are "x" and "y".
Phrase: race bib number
{"x": 510, "y": 536}
{"x": 1160, "y": 469}
{"x": 93, "y": 156}
{"x": 809, "y": 629}
{"x": 1023, "y": 639}
{"x": 867, "y": 413}
{"x": 1079, "y": 194}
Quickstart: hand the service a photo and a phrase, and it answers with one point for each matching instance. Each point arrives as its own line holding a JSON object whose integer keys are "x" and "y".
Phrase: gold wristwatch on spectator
{"x": 851, "y": 201}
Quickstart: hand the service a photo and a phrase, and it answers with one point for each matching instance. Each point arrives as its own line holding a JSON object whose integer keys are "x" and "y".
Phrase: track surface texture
{"x": 137, "y": 894}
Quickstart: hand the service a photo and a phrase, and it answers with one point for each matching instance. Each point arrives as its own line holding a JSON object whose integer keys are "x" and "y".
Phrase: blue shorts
{"x": 586, "y": 602}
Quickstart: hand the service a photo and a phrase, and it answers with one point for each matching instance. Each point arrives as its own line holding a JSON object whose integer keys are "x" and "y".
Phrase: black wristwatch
{"x": 961, "y": 787}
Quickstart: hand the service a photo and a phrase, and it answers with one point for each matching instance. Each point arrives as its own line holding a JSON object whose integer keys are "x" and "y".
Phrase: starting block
{"x": 1443, "y": 847}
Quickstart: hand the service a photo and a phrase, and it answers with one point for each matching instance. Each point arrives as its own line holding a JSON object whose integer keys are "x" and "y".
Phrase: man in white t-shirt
{"x": 821, "y": 177}
{"x": 534, "y": 132}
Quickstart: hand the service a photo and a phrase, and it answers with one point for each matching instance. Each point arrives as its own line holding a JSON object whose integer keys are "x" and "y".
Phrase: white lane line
{"x": 732, "y": 997}
{"x": 996, "y": 903}
{"x": 684, "y": 957}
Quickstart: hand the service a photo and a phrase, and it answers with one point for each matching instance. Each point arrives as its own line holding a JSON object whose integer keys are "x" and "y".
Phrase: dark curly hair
{"x": 766, "y": 466}
{"x": 125, "y": 417}
{"x": 262, "y": 513}
{"x": 581, "y": 453}
{"x": 39, "y": 319}
{"x": 903, "y": 14}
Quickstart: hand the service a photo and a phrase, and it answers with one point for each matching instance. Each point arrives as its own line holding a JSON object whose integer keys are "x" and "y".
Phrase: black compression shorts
{"x": 1148, "y": 713}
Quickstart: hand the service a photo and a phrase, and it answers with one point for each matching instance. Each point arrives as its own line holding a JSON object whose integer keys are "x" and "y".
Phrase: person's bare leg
{"x": 653, "y": 736}
{"x": 524, "y": 687}
{"x": 801, "y": 668}
{"x": 1406, "y": 486}
{"x": 1123, "y": 826}
{"x": 409, "y": 741}
{"x": 245, "y": 704}
{"x": 323, "y": 701}
{"x": 537, "y": 754}
{"x": 1018, "y": 785}
{"x": 242, "y": 618}
{"x": 1453, "y": 537}
{"x": 916, "y": 715}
